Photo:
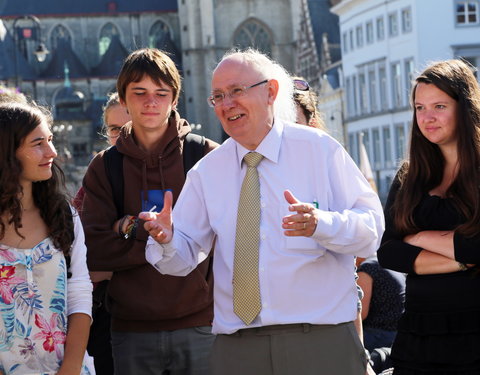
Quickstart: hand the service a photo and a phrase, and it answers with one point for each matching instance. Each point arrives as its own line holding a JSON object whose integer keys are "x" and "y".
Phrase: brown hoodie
{"x": 140, "y": 298}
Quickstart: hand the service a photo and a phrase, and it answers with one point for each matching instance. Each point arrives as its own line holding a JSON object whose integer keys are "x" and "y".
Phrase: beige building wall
{"x": 207, "y": 32}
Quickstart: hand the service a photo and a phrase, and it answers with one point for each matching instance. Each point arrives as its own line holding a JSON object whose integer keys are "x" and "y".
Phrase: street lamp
{"x": 35, "y": 33}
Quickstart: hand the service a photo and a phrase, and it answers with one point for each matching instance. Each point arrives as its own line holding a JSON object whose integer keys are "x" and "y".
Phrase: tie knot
{"x": 253, "y": 159}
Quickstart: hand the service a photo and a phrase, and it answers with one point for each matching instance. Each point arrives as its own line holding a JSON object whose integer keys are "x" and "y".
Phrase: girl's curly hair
{"x": 17, "y": 120}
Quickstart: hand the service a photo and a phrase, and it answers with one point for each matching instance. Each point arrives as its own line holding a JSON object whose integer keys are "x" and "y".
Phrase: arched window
{"x": 157, "y": 34}
{"x": 253, "y": 34}
{"x": 60, "y": 33}
{"x": 106, "y": 35}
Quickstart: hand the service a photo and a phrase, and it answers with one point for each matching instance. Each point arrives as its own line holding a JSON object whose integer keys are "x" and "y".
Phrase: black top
{"x": 441, "y": 325}
{"x": 388, "y": 295}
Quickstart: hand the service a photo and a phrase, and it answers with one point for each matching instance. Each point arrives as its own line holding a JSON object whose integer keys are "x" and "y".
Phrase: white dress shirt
{"x": 302, "y": 280}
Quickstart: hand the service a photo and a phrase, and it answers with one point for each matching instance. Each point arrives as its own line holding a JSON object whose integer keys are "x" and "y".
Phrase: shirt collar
{"x": 269, "y": 147}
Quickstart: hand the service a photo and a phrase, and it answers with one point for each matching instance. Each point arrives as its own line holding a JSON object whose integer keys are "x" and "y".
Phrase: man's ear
{"x": 272, "y": 90}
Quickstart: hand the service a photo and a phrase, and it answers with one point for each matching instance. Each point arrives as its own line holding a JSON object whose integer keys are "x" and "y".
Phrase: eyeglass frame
{"x": 303, "y": 82}
{"x": 107, "y": 129}
{"x": 211, "y": 101}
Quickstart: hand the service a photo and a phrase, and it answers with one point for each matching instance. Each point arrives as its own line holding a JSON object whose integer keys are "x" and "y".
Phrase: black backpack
{"x": 193, "y": 151}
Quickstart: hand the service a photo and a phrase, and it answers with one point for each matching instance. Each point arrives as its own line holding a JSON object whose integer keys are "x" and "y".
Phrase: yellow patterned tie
{"x": 246, "y": 288}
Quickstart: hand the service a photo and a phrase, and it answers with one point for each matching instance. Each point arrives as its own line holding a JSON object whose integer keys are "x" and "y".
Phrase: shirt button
{"x": 264, "y": 204}
{"x": 263, "y": 237}
{"x": 264, "y": 305}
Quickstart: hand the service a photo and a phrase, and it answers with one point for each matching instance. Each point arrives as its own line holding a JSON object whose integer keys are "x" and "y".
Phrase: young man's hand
{"x": 159, "y": 225}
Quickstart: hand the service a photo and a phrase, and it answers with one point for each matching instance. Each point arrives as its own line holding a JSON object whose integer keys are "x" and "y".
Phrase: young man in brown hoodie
{"x": 159, "y": 323}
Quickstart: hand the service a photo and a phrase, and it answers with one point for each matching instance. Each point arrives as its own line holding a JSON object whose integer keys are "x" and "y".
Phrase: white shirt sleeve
{"x": 355, "y": 230}
{"x": 79, "y": 286}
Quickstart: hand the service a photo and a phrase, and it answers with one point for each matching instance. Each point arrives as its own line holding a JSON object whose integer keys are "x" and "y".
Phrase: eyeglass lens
{"x": 301, "y": 85}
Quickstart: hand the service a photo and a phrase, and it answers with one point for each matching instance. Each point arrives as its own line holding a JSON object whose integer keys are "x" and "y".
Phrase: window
{"x": 106, "y": 35}
{"x": 353, "y": 147}
{"x": 59, "y": 34}
{"x": 380, "y": 29}
{"x": 387, "y": 147}
{"x": 406, "y": 20}
{"x": 382, "y": 79}
{"x": 158, "y": 35}
{"x": 400, "y": 141}
{"x": 350, "y": 96}
{"x": 362, "y": 86}
{"x": 409, "y": 73}
{"x": 359, "y": 32}
{"x": 253, "y": 34}
{"x": 397, "y": 85}
{"x": 79, "y": 149}
{"x": 352, "y": 41}
{"x": 366, "y": 142}
{"x": 474, "y": 61}
{"x": 369, "y": 32}
{"x": 345, "y": 42}
{"x": 355, "y": 103}
{"x": 467, "y": 12}
{"x": 392, "y": 24}
{"x": 372, "y": 82}
{"x": 377, "y": 157}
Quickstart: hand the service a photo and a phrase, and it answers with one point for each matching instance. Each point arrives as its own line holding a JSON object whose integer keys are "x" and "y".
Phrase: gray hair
{"x": 284, "y": 105}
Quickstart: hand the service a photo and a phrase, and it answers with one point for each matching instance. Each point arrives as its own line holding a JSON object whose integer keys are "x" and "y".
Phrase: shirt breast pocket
{"x": 300, "y": 244}
{"x": 304, "y": 245}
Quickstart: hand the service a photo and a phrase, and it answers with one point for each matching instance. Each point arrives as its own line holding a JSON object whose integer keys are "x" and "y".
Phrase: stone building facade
{"x": 89, "y": 40}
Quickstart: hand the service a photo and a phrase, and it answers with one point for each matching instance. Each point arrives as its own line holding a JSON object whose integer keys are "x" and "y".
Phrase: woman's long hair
{"x": 17, "y": 120}
{"x": 424, "y": 170}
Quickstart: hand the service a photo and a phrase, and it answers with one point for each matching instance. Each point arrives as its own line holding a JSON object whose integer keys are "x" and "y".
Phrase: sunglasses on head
{"x": 301, "y": 85}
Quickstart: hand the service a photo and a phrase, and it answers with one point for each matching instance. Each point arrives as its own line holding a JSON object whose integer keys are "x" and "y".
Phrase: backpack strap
{"x": 193, "y": 150}
{"x": 114, "y": 171}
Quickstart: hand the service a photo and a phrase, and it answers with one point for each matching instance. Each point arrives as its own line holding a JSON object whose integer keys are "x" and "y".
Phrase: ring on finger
{"x": 304, "y": 226}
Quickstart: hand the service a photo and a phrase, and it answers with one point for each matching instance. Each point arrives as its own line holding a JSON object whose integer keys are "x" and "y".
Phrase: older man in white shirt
{"x": 317, "y": 212}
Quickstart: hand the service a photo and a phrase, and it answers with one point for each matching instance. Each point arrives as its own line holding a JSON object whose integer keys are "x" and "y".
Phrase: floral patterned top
{"x": 33, "y": 306}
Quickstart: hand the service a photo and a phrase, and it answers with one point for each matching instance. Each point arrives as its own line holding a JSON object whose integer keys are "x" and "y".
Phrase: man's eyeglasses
{"x": 301, "y": 85}
{"x": 217, "y": 98}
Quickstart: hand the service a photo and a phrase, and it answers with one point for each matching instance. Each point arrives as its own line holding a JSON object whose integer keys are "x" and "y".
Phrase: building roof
{"x": 324, "y": 21}
{"x": 61, "y": 55}
{"x": 8, "y": 68}
{"x": 44, "y": 8}
{"x": 112, "y": 60}
{"x": 167, "y": 44}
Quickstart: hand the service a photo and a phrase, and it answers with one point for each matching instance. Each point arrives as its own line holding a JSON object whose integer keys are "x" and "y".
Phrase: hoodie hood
{"x": 177, "y": 129}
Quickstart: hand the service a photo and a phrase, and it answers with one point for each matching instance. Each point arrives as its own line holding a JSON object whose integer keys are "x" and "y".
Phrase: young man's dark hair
{"x": 153, "y": 63}
{"x": 147, "y": 307}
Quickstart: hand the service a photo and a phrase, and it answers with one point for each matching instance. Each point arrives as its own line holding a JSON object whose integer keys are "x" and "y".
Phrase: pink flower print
{"x": 53, "y": 339}
{"x": 7, "y": 280}
{"x": 8, "y": 255}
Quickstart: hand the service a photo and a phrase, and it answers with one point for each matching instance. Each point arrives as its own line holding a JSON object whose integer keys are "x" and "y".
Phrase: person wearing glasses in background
{"x": 115, "y": 116}
{"x": 306, "y": 104}
{"x": 99, "y": 346}
{"x": 292, "y": 311}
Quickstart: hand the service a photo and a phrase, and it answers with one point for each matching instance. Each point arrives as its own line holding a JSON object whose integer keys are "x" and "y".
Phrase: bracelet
{"x": 120, "y": 226}
{"x": 132, "y": 221}
{"x": 133, "y": 234}
{"x": 462, "y": 266}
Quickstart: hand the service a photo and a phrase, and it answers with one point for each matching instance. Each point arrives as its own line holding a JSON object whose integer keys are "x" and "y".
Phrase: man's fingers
{"x": 290, "y": 197}
{"x": 147, "y": 216}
